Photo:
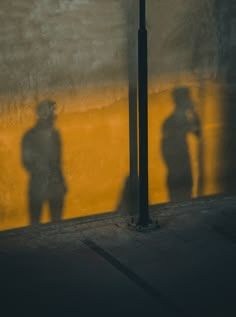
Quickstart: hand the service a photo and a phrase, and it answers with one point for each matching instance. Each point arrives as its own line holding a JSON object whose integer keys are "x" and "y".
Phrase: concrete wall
{"x": 82, "y": 54}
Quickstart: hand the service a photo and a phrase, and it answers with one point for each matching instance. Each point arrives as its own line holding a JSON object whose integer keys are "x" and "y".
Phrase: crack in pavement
{"x": 135, "y": 278}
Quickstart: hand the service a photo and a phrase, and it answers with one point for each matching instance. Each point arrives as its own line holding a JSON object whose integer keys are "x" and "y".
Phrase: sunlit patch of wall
{"x": 95, "y": 152}
{"x": 95, "y": 156}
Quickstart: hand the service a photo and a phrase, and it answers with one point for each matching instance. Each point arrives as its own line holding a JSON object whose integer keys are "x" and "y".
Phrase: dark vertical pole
{"x": 143, "y": 116}
{"x": 132, "y": 19}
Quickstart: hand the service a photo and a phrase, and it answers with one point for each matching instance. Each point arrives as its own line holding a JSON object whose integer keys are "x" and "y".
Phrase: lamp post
{"x": 144, "y": 219}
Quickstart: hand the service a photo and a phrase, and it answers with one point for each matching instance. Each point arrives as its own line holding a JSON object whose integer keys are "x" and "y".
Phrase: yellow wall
{"x": 95, "y": 147}
{"x": 95, "y": 163}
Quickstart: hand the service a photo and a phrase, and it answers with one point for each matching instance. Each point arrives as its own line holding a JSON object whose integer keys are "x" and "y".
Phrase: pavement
{"x": 187, "y": 267}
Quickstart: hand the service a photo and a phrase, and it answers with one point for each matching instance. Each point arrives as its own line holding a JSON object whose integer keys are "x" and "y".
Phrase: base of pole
{"x": 151, "y": 226}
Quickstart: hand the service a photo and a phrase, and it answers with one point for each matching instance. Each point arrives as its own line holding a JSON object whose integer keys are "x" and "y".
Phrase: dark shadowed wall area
{"x": 80, "y": 57}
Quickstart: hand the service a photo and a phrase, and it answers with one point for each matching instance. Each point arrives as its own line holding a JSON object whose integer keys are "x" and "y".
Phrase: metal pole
{"x": 133, "y": 111}
{"x": 144, "y": 219}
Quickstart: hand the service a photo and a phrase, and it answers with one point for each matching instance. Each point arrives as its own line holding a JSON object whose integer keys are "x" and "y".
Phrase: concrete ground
{"x": 186, "y": 268}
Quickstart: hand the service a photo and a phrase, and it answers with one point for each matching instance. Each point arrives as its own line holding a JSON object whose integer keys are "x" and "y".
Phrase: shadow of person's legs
{"x": 56, "y": 206}
{"x": 35, "y": 208}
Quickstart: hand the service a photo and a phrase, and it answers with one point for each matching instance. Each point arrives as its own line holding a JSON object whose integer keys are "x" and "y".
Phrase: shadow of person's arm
{"x": 27, "y": 156}
{"x": 194, "y": 123}
{"x": 58, "y": 168}
{"x": 196, "y": 129}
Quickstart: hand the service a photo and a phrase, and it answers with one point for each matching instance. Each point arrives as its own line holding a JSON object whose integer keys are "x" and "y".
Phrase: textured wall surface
{"x": 83, "y": 55}
{"x": 82, "y": 45}
{"x": 62, "y": 45}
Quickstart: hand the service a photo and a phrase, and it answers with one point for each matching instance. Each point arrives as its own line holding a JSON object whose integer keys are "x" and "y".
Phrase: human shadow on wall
{"x": 41, "y": 156}
{"x": 175, "y": 150}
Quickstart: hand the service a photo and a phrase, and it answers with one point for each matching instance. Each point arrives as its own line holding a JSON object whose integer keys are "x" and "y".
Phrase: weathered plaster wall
{"x": 74, "y": 52}
{"x": 82, "y": 54}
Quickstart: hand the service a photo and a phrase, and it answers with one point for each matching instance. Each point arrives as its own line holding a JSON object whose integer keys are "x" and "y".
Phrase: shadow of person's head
{"x": 46, "y": 112}
{"x": 182, "y": 99}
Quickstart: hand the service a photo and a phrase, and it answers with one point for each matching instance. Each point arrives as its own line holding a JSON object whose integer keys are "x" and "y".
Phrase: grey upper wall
{"x": 61, "y": 42}
{"x": 182, "y": 36}
{"x": 196, "y": 37}
{"x": 51, "y": 44}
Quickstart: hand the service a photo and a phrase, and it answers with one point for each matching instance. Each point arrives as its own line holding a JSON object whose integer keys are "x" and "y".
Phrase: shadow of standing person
{"x": 41, "y": 156}
{"x": 175, "y": 151}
